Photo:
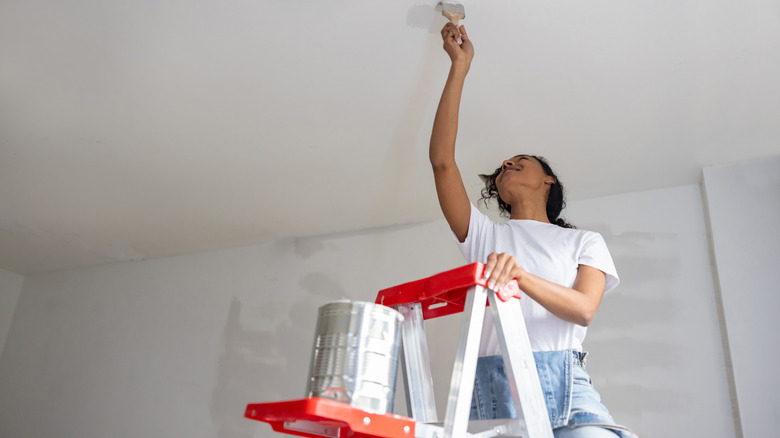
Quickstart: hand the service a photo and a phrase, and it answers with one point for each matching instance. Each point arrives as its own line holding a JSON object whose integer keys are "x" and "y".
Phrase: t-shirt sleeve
{"x": 595, "y": 253}
{"x": 473, "y": 248}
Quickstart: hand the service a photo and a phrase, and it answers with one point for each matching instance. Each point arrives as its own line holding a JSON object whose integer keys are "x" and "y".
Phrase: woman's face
{"x": 522, "y": 170}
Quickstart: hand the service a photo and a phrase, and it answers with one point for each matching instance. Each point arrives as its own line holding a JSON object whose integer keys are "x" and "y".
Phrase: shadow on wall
{"x": 424, "y": 16}
{"x": 266, "y": 364}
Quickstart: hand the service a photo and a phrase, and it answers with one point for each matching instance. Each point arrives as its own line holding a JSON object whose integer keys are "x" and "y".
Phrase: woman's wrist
{"x": 460, "y": 68}
{"x": 519, "y": 275}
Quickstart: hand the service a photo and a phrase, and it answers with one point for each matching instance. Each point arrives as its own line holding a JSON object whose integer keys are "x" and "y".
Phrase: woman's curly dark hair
{"x": 555, "y": 200}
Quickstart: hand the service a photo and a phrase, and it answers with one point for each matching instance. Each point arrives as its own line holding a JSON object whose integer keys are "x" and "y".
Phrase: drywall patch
{"x": 320, "y": 285}
{"x": 306, "y": 248}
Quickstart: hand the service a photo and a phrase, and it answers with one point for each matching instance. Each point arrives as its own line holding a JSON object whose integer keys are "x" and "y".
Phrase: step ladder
{"x": 459, "y": 290}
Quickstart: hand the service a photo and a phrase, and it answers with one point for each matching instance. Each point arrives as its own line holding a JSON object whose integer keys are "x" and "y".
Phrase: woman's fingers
{"x": 463, "y": 33}
{"x": 499, "y": 269}
{"x": 466, "y": 41}
{"x": 450, "y": 32}
{"x": 494, "y": 266}
{"x": 502, "y": 275}
{"x": 490, "y": 264}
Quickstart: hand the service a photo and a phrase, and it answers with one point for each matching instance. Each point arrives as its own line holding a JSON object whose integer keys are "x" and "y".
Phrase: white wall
{"x": 658, "y": 358}
{"x": 744, "y": 206}
{"x": 179, "y": 346}
{"x": 10, "y": 288}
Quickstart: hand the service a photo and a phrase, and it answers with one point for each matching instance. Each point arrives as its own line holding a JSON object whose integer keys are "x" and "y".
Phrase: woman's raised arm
{"x": 452, "y": 195}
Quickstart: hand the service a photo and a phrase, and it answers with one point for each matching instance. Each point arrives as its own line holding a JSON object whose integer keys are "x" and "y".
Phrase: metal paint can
{"x": 355, "y": 355}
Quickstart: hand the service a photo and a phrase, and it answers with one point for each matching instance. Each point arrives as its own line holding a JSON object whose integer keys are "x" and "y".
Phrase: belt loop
{"x": 580, "y": 355}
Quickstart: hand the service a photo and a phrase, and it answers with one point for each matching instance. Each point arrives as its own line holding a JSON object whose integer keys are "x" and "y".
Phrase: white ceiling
{"x": 140, "y": 129}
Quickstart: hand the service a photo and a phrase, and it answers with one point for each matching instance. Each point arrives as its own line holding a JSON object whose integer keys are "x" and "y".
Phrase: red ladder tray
{"x": 442, "y": 294}
{"x": 318, "y": 417}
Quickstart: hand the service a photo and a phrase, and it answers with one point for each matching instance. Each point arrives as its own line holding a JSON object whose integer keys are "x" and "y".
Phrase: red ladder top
{"x": 444, "y": 293}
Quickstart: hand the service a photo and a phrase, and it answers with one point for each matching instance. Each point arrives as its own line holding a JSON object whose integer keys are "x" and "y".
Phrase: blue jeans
{"x": 572, "y": 402}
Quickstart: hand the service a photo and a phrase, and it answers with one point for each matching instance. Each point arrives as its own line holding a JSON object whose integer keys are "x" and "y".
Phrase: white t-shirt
{"x": 548, "y": 251}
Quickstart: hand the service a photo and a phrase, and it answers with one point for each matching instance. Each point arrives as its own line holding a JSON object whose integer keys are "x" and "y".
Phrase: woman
{"x": 563, "y": 272}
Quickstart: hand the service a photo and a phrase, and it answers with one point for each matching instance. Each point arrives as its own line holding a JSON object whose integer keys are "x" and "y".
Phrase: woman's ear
{"x": 549, "y": 180}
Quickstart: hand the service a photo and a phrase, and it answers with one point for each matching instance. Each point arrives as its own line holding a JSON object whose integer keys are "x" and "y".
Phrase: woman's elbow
{"x": 441, "y": 161}
{"x": 442, "y": 165}
{"x": 583, "y": 321}
{"x": 585, "y": 317}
